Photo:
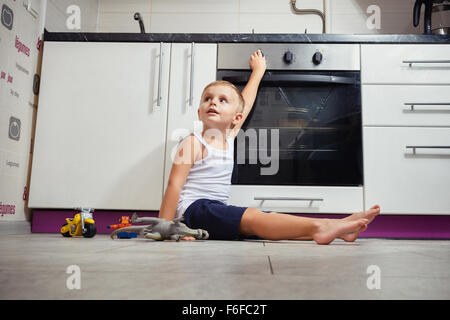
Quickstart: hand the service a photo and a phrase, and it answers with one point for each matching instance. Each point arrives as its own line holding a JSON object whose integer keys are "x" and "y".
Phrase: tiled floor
{"x": 33, "y": 266}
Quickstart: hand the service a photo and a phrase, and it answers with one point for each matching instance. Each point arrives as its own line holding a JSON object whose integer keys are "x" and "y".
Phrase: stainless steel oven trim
{"x": 232, "y": 56}
{"x": 296, "y": 78}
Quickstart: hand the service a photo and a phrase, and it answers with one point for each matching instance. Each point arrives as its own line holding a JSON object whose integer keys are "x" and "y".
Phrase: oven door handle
{"x": 311, "y": 200}
{"x": 295, "y": 78}
{"x": 287, "y": 198}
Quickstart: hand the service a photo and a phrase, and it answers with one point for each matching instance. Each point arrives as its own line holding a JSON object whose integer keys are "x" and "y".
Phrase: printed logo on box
{"x": 7, "y": 17}
{"x": 20, "y": 68}
{"x": 10, "y": 163}
{"x": 21, "y": 47}
{"x": 8, "y": 79}
{"x": 14, "y": 128}
{"x": 7, "y": 209}
{"x": 39, "y": 44}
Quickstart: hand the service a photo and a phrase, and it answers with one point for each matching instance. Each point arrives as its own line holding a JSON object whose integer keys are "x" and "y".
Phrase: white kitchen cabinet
{"x": 101, "y": 126}
{"x": 406, "y": 127}
{"x": 189, "y": 75}
{"x": 403, "y": 179}
{"x": 406, "y": 105}
{"x": 405, "y": 64}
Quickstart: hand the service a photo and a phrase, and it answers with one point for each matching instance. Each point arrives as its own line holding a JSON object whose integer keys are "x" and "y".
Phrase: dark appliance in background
{"x": 311, "y": 93}
{"x": 436, "y": 16}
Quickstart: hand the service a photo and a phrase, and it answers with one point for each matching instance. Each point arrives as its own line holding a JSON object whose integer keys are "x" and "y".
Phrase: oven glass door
{"x": 304, "y": 129}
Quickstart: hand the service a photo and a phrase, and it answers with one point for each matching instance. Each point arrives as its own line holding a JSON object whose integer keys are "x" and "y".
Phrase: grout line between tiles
{"x": 270, "y": 265}
{"x": 115, "y": 248}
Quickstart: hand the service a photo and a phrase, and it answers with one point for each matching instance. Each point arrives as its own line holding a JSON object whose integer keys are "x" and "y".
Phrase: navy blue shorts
{"x": 220, "y": 220}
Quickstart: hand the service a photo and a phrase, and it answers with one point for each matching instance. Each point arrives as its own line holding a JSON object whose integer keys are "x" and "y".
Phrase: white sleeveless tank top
{"x": 208, "y": 178}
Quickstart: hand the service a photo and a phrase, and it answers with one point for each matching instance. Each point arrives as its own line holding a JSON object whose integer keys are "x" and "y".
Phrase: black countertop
{"x": 246, "y": 38}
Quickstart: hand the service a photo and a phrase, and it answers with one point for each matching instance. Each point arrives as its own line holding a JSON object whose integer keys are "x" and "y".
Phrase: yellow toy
{"x": 82, "y": 224}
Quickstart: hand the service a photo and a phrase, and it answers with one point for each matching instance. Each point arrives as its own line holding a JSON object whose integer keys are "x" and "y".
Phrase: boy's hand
{"x": 258, "y": 62}
{"x": 258, "y": 65}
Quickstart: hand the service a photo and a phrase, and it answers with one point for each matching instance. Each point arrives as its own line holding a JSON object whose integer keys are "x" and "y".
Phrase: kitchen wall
{"x": 20, "y": 35}
{"x": 238, "y": 16}
{"x": 57, "y": 15}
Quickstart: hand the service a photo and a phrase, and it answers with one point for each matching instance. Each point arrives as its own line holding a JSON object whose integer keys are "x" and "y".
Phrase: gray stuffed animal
{"x": 161, "y": 229}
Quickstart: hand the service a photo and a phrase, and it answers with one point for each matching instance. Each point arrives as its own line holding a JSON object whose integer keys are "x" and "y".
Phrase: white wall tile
{"x": 56, "y": 15}
{"x": 351, "y": 24}
{"x": 122, "y": 22}
{"x": 399, "y": 23}
{"x": 184, "y": 6}
{"x": 55, "y": 19}
{"x": 391, "y": 23}
{"x": 268, "y": 16}
{"x": 194, "y": 23}
{"x": 360, "y": 6}
{"x": 277, "y": 6}
{"x": 121, "y": 6}
{"x": 279, "y": 23}
{"x": 349, "y": 16}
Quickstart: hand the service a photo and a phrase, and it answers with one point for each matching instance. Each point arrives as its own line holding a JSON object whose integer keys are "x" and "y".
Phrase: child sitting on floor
{"x": 200, "y": 179}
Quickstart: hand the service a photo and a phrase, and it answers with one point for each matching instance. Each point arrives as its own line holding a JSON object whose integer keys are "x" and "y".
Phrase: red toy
{"x": 124, "y": 221}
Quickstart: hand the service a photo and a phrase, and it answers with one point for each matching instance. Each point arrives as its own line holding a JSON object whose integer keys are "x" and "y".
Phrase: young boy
{"x": 199, "y": 182}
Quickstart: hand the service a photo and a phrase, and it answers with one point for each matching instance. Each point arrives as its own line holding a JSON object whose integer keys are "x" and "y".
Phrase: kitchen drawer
{"x": 403, "y": 105}
{"x": 391, "y": 64}
{"x": 334, "y": 199}
{"x": 403, "y": 180}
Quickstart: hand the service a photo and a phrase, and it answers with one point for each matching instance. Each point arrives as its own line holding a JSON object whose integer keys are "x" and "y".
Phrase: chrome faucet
{"x": 137, "y": 16}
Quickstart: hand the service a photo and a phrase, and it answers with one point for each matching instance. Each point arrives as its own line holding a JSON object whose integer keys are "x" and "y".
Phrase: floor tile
{"x": 34, "y": 266}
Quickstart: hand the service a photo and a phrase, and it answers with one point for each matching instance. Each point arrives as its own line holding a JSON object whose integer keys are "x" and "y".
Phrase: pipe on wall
{"x": 311, "y": 11}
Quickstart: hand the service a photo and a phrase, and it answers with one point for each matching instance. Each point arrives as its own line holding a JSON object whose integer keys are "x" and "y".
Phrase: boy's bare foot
{"x": 188, "y": 239}
{"x": 368, "y": 214}
{"x": 329, "y": 229}
{"x": 351, "y": 237}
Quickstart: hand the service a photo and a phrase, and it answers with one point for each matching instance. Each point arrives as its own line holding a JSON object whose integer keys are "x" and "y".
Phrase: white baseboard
{"x": 15, "y": 227}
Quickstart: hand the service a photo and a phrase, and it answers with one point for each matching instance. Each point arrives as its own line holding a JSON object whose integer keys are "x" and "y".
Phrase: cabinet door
{"x": 101, "y": 126}
{"x": 403, "y": 179}
{"x": 405, "y": 105}
{"x": 189, "y": 75}
{"x": 405, "y": 64}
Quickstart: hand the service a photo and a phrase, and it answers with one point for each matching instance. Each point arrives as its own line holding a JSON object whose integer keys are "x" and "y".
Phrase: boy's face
{"x": 219, "y": 107}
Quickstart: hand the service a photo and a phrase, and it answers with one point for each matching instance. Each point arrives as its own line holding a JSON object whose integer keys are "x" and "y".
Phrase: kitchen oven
{"x": 304, "y": 133}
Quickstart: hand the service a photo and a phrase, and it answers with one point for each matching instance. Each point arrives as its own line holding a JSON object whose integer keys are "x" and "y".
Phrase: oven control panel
{"x": 296, "y": 56}
{"x": 317, "y": 57}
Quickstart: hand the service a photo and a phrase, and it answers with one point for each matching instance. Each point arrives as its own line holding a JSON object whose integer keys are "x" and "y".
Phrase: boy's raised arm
{"x": 258, "y": 65}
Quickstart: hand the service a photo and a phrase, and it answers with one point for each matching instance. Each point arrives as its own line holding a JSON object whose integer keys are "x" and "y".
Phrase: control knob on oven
{"x": 317, "y": 58}
{"x": 288, "y": 57}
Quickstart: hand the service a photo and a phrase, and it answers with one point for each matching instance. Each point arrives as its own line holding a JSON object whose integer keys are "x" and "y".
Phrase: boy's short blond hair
{"x": 232, "y": 86}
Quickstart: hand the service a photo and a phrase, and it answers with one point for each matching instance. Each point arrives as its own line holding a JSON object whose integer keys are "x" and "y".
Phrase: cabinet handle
{"x": 161, "y": 54}
{"x": 426, "y": 147}
{"x": 411, "y": 62}
{"x": 288, "y": 198}
{"x": 191, "y": 83}
{"x": 412, "y": 104}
